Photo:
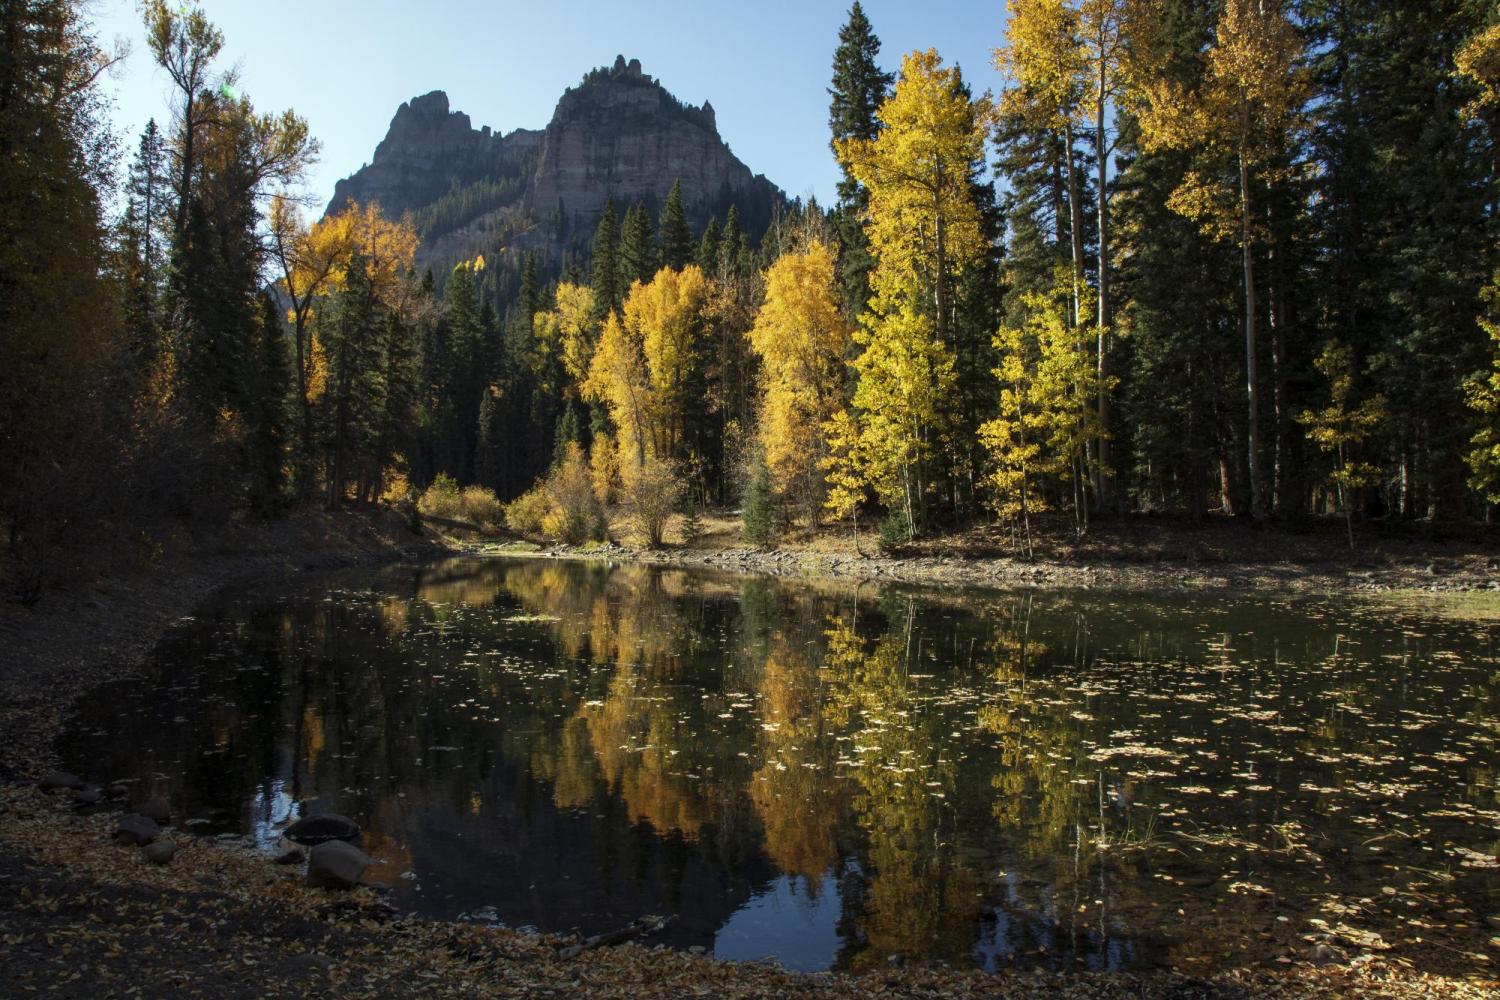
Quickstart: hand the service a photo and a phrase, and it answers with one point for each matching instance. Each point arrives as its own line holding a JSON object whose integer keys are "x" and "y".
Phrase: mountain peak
{"x": 617, "y": 134}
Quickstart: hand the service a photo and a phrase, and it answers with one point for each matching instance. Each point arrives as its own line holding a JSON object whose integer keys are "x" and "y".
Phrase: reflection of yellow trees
{"x": 638, "y": 738}
{"x": 1039, "y": 743}
{"x": 568, "y": 763}
{"x": 922, "y": 898}
{"x": 795, "y": 791}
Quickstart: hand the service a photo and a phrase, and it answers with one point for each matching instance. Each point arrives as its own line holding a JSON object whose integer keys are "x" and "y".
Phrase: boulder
{"x": 159, "y": 852}
{"x": 89, "y": 795}
{"x": 54, "y": 780}
{"x": 136, "y": 829}
{"x": 313, "y": 830}
{"x": 335, "y": 865}
{"x": 158, "y": 808}
{"x": 291, "y": 856}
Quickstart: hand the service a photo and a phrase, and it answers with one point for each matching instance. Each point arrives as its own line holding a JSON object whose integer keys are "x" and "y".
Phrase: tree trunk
{"x": 1252, "y": 435}
{"x": 1102, "y": 475}
{"x": 940, "y": 283}
{"x": 1075, "y": 225}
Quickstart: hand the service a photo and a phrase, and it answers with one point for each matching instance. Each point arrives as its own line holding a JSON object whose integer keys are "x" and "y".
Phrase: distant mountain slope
{"x": 618, "y": 134}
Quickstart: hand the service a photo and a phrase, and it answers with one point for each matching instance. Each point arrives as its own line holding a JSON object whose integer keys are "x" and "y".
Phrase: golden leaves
{"x": 800, "y": 336}
{"x": 922, "y": 216}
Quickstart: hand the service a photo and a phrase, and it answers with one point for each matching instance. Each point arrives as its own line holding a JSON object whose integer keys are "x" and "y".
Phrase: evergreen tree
{"x": 676, "y": 237}
{"x": 609, "y": 290}
{"x": 352, "y": 344}
{"x": 859, "y": 87}
{"x": 268, "y": 410}
{"x": 708, "y": 248}
{"x": 732, "y": 244}
{"x": 638, "y": 252}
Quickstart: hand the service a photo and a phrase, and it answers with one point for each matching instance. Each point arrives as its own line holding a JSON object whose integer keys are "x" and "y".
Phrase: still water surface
{"x": 830, "y": 776}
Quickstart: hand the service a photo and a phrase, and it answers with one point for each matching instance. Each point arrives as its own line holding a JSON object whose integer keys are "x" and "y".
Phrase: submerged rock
{"x": 313, "y": 830}
{"x": 90, "y": 795}
{"x": 335, "y": 865}
{"x": 54, "y": 780}
{"x": 158, "y": 808}
{"x": 159, "y": 852}
{"x": 136, "y": 829}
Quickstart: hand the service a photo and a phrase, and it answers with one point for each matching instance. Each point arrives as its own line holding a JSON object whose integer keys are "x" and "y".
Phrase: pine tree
{"x": 352, "y": 347}
{"x": 676, "y": 237}
{"x": 269, "y": 415}
{"x": 530, "y": 295}
{"x": 859, "y": 88}
{"x": 708, "y": 249}
{"x": 638, "y": 251}
{"x": 147, "y": 232}
{"x": 605, "y": 279}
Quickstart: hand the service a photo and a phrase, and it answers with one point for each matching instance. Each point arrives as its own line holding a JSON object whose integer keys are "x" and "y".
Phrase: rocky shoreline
{"x": 1467, "y": 576}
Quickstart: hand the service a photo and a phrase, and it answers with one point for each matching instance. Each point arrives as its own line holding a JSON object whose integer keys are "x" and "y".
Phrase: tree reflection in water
{"x": 1039, "y": 778}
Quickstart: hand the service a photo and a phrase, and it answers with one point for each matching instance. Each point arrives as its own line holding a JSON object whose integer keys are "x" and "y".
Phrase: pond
{"x": 831, "y": 776}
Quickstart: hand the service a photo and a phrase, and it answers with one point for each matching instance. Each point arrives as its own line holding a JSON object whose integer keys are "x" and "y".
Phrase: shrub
{"x": 480, "y": 506}
{"x": 758, "y": 503}
{"x": 692, "y": 519}
{"x": 894, "y": 531}
{"x": 575, "y": 515}
{"x": 472, "y": 504}
{"x": 653, "y": 490}
{"x": 524, "y": 515}
{"x": 441, "y": 499}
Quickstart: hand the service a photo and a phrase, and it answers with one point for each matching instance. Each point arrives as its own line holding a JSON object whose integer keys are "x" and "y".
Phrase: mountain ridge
{"x": 618, "y": 134}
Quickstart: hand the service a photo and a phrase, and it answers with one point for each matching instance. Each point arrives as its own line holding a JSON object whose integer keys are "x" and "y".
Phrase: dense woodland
{"x": 1237, "y": 256}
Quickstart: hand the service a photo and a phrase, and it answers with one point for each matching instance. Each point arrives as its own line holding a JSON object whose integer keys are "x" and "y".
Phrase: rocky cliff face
{"x": 618, "y": 134}
{"x": 426, "y": 149}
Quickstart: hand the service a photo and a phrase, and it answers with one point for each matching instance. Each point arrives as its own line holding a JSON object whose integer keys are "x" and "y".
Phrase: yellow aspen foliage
{"x": 618, "y": 378}
{"x": 923, "y": 223}
{"x": 1479, "y": 60}
{"x": 1339, "y": 428}
{"x": 906, "y": 375}
{"x": 567, "y": 331}
{"x": 1045, "y": 420}
{"x": 643, "y": 365}
{"x": 388, "y": 246}
{"x": 667, "y": 318}
{"x": 800, "y": 336}
{"x": 1044, "y": 60}
{"x": 842, "y": 467}
{"x": 1245, "y": 109}
{"x": 604, "y": 468}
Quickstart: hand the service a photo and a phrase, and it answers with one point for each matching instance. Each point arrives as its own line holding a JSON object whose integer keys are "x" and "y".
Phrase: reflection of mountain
{"x": 1053, "y": 779}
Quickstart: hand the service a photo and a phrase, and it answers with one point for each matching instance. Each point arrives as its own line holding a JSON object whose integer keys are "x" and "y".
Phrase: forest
{"x": 1228, "y": 257}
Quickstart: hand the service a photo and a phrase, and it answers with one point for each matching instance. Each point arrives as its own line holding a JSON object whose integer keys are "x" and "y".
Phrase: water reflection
{"x": 831, "y": 776}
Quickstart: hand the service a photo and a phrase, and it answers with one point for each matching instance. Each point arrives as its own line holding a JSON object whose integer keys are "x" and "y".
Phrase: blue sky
{"x": 346, "y": 65}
